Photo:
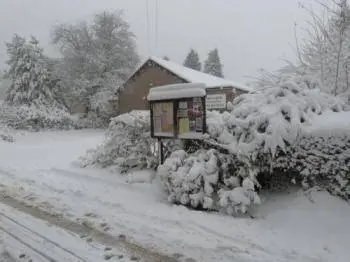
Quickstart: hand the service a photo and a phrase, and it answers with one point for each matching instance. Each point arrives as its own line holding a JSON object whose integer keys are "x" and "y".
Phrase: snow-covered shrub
{"x": 321, "y": 157}
{"x": 5, "y": 134}
{"x": 207, "y": 179}
{"x": 127, "y": 144}
{"x": 320, "y": 161}
{"x": 270, "y": 118}
{"x": 90, "y": 120}
{"x": 277, "y": 131}
{"x": 35, "y": 117}
{"x": 240, "y": 198}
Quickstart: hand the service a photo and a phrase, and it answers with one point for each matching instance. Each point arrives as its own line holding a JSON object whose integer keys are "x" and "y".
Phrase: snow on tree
{"x": 101, "y": 54}
{"x": 272, "y": 117}
{"x": 213, "y": 64}
{"x": 192, "y": 60}
{"x": 30, "y": 101}
{"x": 4, "y": 85}
{"x": 127, "y": 144}
{"x": 29, "y": 74}
{"x": 324, "y": 54}
{"x": 269, "y": 130}
{"x": 207, "y": 179}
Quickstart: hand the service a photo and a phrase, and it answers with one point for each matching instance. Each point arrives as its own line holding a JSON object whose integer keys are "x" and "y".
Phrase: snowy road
{"x": 25, "y": 238}
{"x": 28, "y": 239}
{"x": 38, "y": 170}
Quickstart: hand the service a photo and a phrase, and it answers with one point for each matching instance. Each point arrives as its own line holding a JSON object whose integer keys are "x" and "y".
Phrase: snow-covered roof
{"x": 194, "y": 76}
{"x": 177, "y": 91}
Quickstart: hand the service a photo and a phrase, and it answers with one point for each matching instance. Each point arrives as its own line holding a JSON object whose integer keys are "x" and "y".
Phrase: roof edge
{"x": 154, "y": 60}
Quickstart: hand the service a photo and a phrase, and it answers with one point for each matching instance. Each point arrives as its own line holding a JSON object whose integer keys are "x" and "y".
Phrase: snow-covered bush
{"x": 325, "y": 162}
{"x": 270, "y": 118}
{"x": 240, "y": 198}
{"x": 127, "y": 144}
{"x": 322, "y": 155}
{"x": 35, "y": 117}
{"x": 280, "y": 131}
{"x": 208, "y": 179}
{"x": 90, "y": 120}
{"x": 5, "y": 134}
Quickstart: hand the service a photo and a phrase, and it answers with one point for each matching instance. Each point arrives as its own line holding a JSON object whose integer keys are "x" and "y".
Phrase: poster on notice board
{"x": 190, "y": 117}
{"x": 163, "y": 119}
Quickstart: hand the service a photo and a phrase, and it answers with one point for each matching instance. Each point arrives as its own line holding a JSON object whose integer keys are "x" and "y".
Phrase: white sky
{"x": 250, "y": 34}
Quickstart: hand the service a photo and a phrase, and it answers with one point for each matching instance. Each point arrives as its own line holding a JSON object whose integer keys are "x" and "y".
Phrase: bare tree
{"x": 97, "y": 57}
{"x": 323, "y": 55}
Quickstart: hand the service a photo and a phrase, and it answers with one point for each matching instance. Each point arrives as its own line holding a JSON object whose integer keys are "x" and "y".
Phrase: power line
{"x": 156, "y": 25}
{"x": 148, "y": 27}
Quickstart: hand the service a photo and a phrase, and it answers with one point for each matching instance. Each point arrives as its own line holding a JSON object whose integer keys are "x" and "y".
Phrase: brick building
{"x": 157, "y": 72}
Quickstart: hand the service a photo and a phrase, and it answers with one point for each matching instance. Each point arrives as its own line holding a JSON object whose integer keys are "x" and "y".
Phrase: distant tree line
{"x": 212, "y": 65}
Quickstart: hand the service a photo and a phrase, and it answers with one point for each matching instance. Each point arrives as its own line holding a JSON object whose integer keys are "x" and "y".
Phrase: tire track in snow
{"x": 26, "y": 244}
{"x": 24, "y": 228}
{"x": 132, "y": 248}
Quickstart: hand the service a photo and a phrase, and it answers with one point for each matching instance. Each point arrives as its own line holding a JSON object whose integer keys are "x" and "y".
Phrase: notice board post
{"x": 177, "y": 112}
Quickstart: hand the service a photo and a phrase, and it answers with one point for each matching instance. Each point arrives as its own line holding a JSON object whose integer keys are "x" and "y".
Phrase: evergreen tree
{"x": 192, "y": 60}
{"x": 27, "y": 73}
{"x": 166, "y": 58}
{"x": 30, "y": 100}
{"x": 213, "y": 65}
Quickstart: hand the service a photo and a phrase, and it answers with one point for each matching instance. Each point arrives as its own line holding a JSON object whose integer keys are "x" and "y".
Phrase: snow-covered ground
{"x": 38, "y": 168}
{"x": 24, "y": 238}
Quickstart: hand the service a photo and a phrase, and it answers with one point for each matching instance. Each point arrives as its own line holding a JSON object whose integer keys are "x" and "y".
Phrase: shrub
{"x": 35, "y": 118}
{"x": 127, "y": 144}
{"x": 288, "y": 133}
{"x": 207, "y": 179}
{"x": 5, "y": 134}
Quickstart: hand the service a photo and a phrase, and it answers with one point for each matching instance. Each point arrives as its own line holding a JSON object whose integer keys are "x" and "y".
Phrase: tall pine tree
{"x": 192, "y": 60}
{"x": 27, "y": 73}
{"x": 213, "y": 65}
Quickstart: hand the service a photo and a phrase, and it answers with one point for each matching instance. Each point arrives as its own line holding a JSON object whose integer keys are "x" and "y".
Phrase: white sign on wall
{"x": 217, "y": 101}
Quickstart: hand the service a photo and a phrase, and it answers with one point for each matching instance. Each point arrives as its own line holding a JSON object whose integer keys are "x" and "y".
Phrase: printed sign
{"x": 217, "y": 101}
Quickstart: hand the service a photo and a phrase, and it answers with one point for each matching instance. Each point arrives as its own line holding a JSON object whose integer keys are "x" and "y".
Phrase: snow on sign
{"x": 178, "y": 111}
{"x": 217, "y": 101}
